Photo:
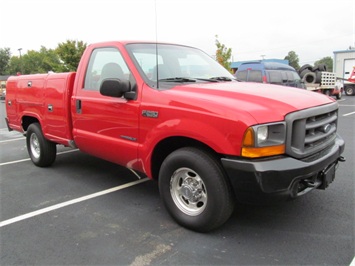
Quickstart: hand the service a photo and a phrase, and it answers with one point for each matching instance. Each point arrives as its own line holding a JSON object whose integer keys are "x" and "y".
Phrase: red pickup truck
{"x": 170, "y": 112}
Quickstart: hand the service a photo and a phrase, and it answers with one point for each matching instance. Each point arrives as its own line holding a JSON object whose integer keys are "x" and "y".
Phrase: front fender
{"x": 223, "y": 137}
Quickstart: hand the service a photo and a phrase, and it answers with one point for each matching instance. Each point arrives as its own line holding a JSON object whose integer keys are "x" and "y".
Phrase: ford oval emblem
{"x": 326, "y": 128}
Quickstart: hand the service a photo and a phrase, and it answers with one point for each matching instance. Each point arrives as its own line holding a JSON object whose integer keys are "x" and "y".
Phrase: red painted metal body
{"x": 215, "y": 114}
{"x": 352, "y": 76}
{"x": 33, "y": 96}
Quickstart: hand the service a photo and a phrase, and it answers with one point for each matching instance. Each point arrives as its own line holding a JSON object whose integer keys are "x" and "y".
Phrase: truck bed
{"x": 48, "y": 101}
{"x": 327, "y": 81}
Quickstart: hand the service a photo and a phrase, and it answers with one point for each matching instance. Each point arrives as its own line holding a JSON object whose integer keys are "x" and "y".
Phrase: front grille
{"x": 311, "y": 131}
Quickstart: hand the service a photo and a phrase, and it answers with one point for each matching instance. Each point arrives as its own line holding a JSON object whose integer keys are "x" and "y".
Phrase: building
{"x": 343, "y": 62}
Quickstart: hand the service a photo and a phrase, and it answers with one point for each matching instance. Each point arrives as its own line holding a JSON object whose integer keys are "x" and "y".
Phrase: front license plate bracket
{"x": 327, "y": 176}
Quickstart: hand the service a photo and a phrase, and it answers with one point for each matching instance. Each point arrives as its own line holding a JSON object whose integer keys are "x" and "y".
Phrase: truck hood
{"x": 264, "y": 102}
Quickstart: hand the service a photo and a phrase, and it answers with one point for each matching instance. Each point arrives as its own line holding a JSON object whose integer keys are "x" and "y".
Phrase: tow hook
{"x": 341, "y": 159}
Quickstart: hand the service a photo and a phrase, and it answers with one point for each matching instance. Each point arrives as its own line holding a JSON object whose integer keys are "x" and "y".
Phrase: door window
{"x": 255, "y": 76}
{"x": 250, "y": 75}
{"x": 105, "y": 63}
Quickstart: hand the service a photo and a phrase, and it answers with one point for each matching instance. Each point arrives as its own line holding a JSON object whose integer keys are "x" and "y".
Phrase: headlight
{"x": 262, "y": 133}
{"x": 264, "y": 140}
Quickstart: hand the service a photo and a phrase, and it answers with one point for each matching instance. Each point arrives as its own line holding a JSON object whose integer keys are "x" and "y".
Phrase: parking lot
{"x": 86, "y": 211}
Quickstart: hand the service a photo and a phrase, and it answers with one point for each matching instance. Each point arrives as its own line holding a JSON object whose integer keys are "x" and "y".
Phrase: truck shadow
{"x": 301, "y": 215}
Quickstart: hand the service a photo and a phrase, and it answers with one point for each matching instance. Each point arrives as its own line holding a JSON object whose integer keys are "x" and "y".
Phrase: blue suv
{"x": 269, "y": 72}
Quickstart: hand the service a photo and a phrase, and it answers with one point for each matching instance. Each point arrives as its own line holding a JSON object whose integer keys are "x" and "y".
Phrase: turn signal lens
{"x": 252, "y": 152}
{"x": 249, "y": 138}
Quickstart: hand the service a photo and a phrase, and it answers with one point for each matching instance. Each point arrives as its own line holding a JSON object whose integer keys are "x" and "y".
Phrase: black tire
{"x": 321, "y": 67}
{"x": 307, "y": 66}
{"x": 349, "y": 90}
{"x": 339, "y": 95}
{"x": 318, "y": 77}
{"x": 195, "y": 190}
{"x": 42, "y": 151}
{"x": 310, "y": 77}
{"x": 304, "y": 72}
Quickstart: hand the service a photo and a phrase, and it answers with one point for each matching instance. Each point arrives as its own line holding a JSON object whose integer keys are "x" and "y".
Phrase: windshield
{"x": 175, "y": 63}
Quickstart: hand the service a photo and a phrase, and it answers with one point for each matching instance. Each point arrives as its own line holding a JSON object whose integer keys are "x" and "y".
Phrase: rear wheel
{"x": 349, "y": 90}
{"x": 42, "y": 151}
{"x": 194, "y": 189}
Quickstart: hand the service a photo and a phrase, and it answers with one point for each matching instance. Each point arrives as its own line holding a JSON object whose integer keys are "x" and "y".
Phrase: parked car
{"x": 3, "y": 94}
{"x": 269, "y": 72}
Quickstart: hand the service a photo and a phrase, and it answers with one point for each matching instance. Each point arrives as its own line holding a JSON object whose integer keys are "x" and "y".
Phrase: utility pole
{"x": 21, "y": 65}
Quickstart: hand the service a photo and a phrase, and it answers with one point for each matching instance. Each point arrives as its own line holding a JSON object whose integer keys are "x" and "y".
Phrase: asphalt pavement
{"x": 86, "y": 211}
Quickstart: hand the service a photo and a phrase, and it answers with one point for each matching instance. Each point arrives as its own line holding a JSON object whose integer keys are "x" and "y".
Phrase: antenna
{"x": 156, "y": 43}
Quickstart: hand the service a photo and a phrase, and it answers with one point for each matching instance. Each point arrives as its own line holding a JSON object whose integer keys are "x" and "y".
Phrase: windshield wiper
{"x": 216, "y": 79}
{"x": 208, "y": 80}
{"x": 178, "y": 79}
{"x": 222, "y": 78}
{"x": 185, "y": 79}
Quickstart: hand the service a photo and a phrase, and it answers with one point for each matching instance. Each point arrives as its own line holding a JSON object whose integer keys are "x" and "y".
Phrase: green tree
{"x": 14, "y": 66}
{"x": 328, "y": 61}
{"x": 34, "y": 62}
{"x": 70, "y": 53}
{"x": 5, "y": 56}
{"x": 293, "y": 60}
{"x": 64, "y": 58}
{"x": 223, "y": 55}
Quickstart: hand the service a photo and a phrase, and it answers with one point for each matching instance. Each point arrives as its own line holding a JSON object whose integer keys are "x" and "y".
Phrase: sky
{"x": 253, "y": 29}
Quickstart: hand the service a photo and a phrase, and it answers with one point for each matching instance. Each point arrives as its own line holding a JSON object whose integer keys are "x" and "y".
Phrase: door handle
{"x": 78, "y": 106}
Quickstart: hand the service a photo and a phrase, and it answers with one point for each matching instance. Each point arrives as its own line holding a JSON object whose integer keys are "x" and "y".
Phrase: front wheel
{"x": 338, "y": 96}
{"x": 42, "y": 151}
{"x": 195, "y": 190}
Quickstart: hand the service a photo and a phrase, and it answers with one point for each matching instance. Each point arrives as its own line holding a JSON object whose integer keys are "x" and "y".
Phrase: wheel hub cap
{"x": 188, "y": 191}
{"x": 191, "y": 190}
{"x": 35, "y": 147}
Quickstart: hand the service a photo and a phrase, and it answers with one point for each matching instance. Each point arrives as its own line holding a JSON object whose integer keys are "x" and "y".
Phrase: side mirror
{"x": 116, "y": 88}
